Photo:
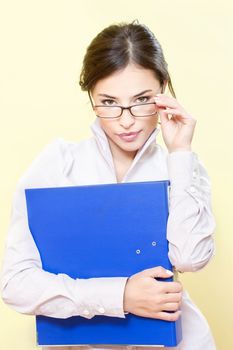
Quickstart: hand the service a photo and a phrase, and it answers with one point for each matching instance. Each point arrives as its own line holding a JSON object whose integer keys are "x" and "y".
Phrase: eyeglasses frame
{"x": 123, "y": 108}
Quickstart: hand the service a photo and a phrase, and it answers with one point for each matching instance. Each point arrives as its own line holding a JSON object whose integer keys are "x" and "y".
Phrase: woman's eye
{"x": 143, "y": 99}
{"x": 107, "y": 102}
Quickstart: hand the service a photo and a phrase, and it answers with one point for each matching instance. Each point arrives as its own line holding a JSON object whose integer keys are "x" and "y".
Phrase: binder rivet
{"x": 138, "y": 251}
{"x": 154, "y": 243}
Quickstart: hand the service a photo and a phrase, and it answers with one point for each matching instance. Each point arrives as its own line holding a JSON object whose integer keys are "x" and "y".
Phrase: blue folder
{"x": 104, "y": 230}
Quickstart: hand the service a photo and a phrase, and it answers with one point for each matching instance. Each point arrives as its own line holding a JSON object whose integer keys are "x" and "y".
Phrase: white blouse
{"x": 28, "y": 289}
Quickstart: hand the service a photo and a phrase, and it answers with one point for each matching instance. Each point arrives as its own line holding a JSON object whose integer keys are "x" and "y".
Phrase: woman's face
{"x": 120, "y": 88}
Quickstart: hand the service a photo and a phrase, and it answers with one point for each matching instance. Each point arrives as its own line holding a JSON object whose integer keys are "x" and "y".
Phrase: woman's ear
{"x": 90, "y": 98}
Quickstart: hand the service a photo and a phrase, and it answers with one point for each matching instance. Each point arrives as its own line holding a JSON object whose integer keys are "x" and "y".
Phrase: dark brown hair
{"x": 118, "y": 45}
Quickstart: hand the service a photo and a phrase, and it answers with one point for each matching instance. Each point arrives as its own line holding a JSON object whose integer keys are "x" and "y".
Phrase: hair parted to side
{"x": 118, "y": 45}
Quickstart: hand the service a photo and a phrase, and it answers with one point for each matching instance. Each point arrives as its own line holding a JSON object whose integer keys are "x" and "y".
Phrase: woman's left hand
{"x": 178, "y": 130}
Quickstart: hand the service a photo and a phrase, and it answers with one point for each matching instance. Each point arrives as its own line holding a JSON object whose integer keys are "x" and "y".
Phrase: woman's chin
{"x": 130, "y": 146}
{"x": 126, "y": 146}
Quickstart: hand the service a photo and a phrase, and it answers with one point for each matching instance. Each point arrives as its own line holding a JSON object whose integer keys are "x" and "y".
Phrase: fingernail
{"x": 169, "y": 272}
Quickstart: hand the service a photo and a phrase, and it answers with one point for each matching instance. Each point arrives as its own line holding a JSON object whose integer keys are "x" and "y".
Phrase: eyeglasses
{"x": 140, "y": 110}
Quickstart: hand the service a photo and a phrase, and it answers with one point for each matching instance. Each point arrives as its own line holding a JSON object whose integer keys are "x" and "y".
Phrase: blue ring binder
{"x": 106, "y": 230}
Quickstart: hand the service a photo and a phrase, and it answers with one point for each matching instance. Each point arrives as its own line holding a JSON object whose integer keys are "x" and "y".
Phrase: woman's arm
{"x": 25, "y": 286}
{"x": 191, "y": 223}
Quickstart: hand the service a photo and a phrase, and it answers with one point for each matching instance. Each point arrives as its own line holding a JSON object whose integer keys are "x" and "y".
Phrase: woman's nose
{"x": 127, "y": 119}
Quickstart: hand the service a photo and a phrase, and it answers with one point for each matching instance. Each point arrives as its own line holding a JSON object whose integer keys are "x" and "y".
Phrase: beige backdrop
{"x": 42, "y": 46}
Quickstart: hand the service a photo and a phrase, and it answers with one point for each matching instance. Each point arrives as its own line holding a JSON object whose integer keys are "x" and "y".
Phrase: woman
{"x": 125, "y": 74}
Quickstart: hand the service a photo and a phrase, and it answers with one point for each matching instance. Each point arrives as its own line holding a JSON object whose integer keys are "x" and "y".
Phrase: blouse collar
{"x": 104, "y": 147}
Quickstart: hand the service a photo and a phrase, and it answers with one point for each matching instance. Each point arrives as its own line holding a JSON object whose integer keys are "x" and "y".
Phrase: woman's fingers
{"x": 170, "y": 287}
{"x": 172, "y": 297}
{"x": 171, "y": 306}
{"x": 169, "y": 105}
{"x": 177, "y": 112}
{"x": 166, "y": 101}
{"x": 180, "y": 115}
{"x": 168, "y": 316}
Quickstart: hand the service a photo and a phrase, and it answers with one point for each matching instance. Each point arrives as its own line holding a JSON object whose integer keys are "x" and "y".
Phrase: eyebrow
{"x": 140, "y": 93}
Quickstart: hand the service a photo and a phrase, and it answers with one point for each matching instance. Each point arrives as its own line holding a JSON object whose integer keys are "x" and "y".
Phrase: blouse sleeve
{"x": 191, "y": 223}
{"x": 29, "y": 289}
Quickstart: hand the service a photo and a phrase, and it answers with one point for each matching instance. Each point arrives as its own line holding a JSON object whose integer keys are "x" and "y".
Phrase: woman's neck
{"x": 119, "y": 155}
{"x": 122, "y": 159}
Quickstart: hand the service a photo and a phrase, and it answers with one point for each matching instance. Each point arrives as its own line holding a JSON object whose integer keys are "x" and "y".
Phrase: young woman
{"x": 125, "y": 75}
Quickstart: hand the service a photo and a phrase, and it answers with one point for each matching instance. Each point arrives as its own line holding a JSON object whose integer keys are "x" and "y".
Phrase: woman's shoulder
{"x": 49, "y": 163}
{"x": 50, "y": 154}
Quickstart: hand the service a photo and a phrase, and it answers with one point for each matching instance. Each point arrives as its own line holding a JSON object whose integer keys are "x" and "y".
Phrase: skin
{"x": 124, "y": 85}
{"x": 177, "y": 126}
{"x": 144, "y": 295}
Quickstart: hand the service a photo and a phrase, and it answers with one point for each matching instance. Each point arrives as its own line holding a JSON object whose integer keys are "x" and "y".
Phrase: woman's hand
{"x": 178, "y": 130}
{"x": 145, "y": 296}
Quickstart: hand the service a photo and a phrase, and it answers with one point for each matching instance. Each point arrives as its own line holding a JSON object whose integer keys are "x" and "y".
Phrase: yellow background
{"x": 42, "y": 46}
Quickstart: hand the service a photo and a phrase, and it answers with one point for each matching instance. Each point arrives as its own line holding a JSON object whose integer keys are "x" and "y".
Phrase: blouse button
{"x": 101, "y": 310}
{"x": 86, "y": 312}
{"x": 194, "y": 174}
{"x": 192, "y": 189}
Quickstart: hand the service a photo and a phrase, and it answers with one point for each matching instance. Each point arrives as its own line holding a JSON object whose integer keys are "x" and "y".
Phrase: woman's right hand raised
{"x": 145, "y": 296}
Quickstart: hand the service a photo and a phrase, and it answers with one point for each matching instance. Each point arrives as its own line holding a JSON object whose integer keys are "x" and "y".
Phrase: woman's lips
{"x": 131, "y": 136}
